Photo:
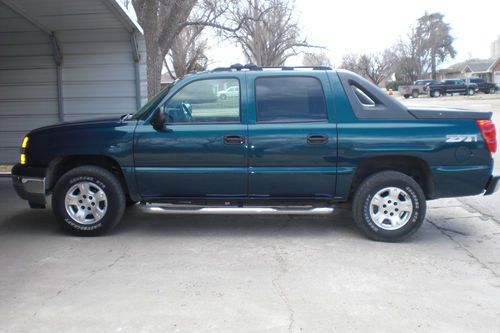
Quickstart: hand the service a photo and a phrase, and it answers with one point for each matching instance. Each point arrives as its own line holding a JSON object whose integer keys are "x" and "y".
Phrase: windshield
{"x": 153, "y": 100}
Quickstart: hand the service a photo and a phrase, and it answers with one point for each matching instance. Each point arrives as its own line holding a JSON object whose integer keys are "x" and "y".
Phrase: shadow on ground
{"x": 137, "y": 222}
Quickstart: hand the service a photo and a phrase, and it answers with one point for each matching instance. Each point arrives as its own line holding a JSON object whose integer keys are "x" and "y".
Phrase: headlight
{"x": 23, "y": 150}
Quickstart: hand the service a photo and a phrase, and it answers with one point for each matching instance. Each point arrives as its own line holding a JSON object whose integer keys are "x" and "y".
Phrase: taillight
{"x": 489, "y": 133}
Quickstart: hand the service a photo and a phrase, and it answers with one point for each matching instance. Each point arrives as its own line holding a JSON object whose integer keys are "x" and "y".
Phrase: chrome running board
{"x": 234, "y": 210}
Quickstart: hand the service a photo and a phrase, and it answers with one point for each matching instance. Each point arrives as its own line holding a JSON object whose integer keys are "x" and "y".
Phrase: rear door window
{"x": 286, "y": 99}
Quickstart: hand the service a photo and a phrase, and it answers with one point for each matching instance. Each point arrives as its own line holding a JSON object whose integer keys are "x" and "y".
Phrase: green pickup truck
{"x": 287, "y": 140}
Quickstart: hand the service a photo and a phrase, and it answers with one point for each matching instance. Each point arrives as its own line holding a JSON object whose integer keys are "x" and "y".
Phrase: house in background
{"x": 487, "y": 69}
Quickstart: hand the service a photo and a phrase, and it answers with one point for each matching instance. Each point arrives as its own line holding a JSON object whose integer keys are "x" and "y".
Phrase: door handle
{"x": 234, "y": 139}
{"x": 317, "y": 139}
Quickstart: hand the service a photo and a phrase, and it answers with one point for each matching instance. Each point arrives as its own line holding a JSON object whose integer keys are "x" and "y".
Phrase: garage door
{"x": 28, "y": 86}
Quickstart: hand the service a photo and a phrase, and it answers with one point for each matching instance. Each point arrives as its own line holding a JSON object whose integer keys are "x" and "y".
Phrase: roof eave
{"x": 124, "y": 15}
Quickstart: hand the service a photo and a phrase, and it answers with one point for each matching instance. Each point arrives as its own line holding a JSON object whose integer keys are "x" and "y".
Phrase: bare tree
{"x": 350, "y": 62}
{"x": 375, "y": 67}
{"x": 407, "y": 65}
{"x": 163, "y": 20}
{"x": 271, "y": 36}
{"x": 187, "y": 53}
{"x": 316, "y": 59}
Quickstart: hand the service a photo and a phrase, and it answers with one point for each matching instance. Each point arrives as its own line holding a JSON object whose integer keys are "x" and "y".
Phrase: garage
{"x": 65, "y": 60}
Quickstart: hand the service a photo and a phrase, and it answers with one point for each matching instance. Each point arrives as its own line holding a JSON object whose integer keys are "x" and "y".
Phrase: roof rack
{"x": 253, "y": 67}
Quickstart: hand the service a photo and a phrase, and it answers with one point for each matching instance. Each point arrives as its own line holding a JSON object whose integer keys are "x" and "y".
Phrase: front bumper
{"x": 493, "y": 185}
{"x": 29, "y": 183}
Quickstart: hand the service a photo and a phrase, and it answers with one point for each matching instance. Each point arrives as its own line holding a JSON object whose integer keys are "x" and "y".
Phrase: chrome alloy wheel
{"x": 86, "y": 202}
{"x": 391, "y": 208}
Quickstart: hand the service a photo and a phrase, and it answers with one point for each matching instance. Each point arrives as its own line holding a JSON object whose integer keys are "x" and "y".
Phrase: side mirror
{"x": 158, "y": 120}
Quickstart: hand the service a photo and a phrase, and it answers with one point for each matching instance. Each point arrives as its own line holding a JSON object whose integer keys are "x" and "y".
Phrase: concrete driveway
{"x": 250, "y": 274}
{"x": 246, "y": 274}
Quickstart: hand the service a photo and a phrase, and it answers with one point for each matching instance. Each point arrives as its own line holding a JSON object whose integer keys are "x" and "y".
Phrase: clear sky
{"x": 359, "y": 26}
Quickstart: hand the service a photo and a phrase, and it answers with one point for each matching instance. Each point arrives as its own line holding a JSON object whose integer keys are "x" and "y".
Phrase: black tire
{"x": 223, "y": 97}
{"x": 115, "y": 200}
{"x": 414, "y": 94}
{"x": 470, "y": 91}
{"x": 406, "y": 96}
{"x": 370, "y": 187}
{"x": 492, "y": 90}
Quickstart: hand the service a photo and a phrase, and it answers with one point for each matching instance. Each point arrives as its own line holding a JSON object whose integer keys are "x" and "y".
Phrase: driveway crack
{"x": 282, "y": 270}
{"x": 471, "y": 255}
{"x": 79, "y": 282}
{"x": 491, "y": 217}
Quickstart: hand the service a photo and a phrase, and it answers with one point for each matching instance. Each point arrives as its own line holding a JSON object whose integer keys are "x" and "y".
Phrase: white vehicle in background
{"x": 233, "y": 91}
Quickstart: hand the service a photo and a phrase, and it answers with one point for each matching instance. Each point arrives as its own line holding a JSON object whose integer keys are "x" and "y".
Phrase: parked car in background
{"x": 233, "y": 91}
{"x": 482, "y": 85}
{"x": 452, "y": 87}
{"x": 419, "y": 87}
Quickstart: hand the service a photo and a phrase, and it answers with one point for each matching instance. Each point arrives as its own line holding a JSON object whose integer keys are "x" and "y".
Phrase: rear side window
{"x": 363, "y": 97}
{"x": 289, "y": 99}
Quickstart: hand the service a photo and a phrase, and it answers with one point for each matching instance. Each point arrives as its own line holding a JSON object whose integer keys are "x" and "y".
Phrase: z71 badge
{"x": 461, "y": 138}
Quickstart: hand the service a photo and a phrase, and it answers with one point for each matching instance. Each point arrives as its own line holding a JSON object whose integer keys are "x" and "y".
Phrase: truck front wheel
{"x": 389, "y": 206}
{"x": 88, "y": 200}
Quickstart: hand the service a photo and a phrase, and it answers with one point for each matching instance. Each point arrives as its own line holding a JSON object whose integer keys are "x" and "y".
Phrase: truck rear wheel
{"x": 406, "y": 95}
{"x": 470, "y": 91}
{"x": 88, "y": 201}
{"x": 389, "y": 206}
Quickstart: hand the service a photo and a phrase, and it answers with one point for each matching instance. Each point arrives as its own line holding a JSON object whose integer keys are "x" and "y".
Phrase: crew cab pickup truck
{"x": 295, "y": 141}
{"x": 452, "y": 87}
{"x": 482, "y": 85}
{"x": 419, "y": 87}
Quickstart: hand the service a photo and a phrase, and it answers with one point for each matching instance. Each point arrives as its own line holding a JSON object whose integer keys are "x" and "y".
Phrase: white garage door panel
{"x": 20, "y": 38}
{"x": 97, "y": 47}
{"x": 94, "y": 35}
{"x": 9, "y": 155}
{"x": 93, "y": 106}
{"x": 99, "y": 89}
{"x": 80, "y": 21}
{"x": 98, "y": 73}
{"x": 26, "y": 50}
{"x": 96, "y": 59}
{"x": 28, "y": 107}
{"x": 28, "y": 92}
{"x": 15, "y": 24}
{"x": 26, "y": 76}
{"x": 12, "y": 139}
{"x": 27, "y": 62}
{"x": 25, "y": 124}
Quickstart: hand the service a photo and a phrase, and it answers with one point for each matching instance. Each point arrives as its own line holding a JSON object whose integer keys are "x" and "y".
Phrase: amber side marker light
{"x": 23, "y": 150}
{"x": 487, "y": 128}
